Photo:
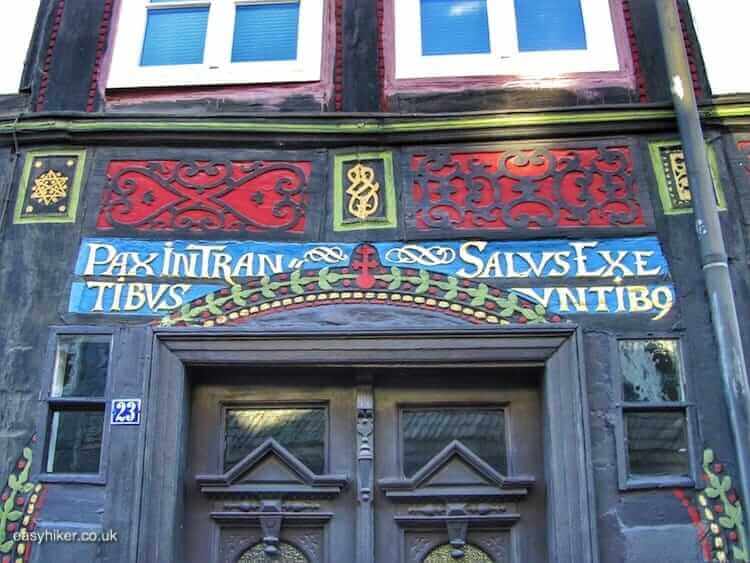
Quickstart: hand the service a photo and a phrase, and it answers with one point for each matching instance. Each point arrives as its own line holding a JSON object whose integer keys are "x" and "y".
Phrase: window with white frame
{"x": 19, "y": 19}
{"x": 205, "y": 42}
{"x": 527, "y": 38}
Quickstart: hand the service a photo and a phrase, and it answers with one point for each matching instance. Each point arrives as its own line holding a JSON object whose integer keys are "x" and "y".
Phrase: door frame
{"x": 571, "y": 522}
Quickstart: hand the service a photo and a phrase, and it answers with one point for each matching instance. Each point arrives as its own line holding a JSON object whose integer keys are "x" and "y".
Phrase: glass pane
{"x": 81, "y": 366}
{"x": 443, "y": 554}
{"x": 75, "y": 442}
{"x": 287, "y": 553}
{"x": 175, "y": 36}
{"x": 299, "y": 430}
{"x": 657, "y": 443}
{"x": 427, "y": 431}
{"x": 454, "y": 27}
{"x": 650, "y": 370}
{"x": 266, "y": 32}
{"x": 550, "y": 25}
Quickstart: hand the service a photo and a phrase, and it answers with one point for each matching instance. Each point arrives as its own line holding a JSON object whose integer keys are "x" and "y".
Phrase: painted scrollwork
{"x": 517, "y": 189}
{"x": 205, "y": 196}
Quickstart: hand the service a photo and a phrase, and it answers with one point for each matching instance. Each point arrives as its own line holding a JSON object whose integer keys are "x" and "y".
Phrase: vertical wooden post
{"x": 365, "y": 462}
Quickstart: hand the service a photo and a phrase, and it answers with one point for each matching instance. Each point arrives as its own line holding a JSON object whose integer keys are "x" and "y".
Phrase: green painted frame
{"x": 391, "y": 217}
{"x": 654, "y": 149}
{"x": 75, "y": 187}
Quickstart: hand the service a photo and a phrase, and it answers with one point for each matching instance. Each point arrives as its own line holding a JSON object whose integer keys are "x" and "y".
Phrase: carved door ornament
{"x": 457, "y": 489}
{"x": 269, "y": 487}
{"x": 286, "y": 553}
{"x": 446, "y": 554}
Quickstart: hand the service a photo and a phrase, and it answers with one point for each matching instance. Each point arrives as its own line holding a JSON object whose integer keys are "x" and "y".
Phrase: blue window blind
{"x": 266, "y": 32}
{"x": 454, "y": 27}
{"x": 175, "y": 36}
{"x": 550, "y": 25}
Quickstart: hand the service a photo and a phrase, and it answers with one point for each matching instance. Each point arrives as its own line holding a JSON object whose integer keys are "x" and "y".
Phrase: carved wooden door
{"x": 346, "y": 466}
{"x": 458, "y": 455}
{"x": 271, "y": 461}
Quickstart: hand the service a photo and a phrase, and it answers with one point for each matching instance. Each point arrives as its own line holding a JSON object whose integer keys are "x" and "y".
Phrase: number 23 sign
{"x": 126, "y": 412}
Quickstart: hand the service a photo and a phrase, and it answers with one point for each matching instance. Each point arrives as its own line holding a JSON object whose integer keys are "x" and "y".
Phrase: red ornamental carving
{"x": 205, "y": 196}
{"x": 522, "y": 189}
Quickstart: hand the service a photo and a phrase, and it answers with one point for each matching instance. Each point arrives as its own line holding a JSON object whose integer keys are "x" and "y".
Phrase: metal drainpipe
{"x": 711, "y": 242}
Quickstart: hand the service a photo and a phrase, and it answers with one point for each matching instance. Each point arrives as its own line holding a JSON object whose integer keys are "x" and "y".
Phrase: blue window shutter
{"x": 175, "y": 36}
{"x": 550, "y": 25}
{"x": 454, "y": 27}
{"x": 266, "y": 32}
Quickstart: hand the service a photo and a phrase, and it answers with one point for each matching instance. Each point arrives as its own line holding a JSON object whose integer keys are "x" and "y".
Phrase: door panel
{"x": 269, "y": 471}
{"x": 460, "y": 467}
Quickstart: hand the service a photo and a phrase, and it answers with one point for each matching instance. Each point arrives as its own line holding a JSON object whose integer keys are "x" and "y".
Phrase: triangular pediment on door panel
{"x": 456, "y": 473}
{"x": 271, "y": 469}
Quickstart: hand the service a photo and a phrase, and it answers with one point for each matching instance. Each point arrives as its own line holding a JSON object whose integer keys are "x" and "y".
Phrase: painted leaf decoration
{"x": 726, "y": 522}
{"x": 739, "y": 554}
{"x": 294, "y": 282}
{"x": 424, "y": 283}
{"x": 264, "y": 289}
{"x": 505, "y": 313}
{"x": 708, "y": 457}
{"x": 8, "y": 506}
{"x": 540, "y": 310}
{"x": 6, "y": 546}
{"x": 322, "y": 282}
{"x": 529, "y": 314}
{"x": 710, "y": 492}
{"x": 726, "y": 483}
{"x": 396, "y": 278}
{"x": 28, "y": 487}
{"x": 12, "y": 481}
{"x": 480, "y": 295}
{"x": 14, "y": 516}
{"x": 237, "y": 295}
{"x": 714, "y": 480}
{"x": 211, "y": 303}
{"x": 453, "y": 291}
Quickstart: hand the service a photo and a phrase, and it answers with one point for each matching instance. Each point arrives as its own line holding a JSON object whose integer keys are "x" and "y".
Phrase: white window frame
{"x": 19, "y": 21}
{"x": 217, "y": 68}
{"x": 504, "y": 57}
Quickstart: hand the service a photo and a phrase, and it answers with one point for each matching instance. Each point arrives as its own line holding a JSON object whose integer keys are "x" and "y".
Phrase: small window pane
{"x": 550, "y": 25}
{"x": 657, "y": 443}
{"x": 299, "y": 430}
{"x": 81, "y": 366}
{"x": 454, "y": 27}
{"x": 175, "y": 36}
{"x": 266, "y": 32}
{"x": 427, "y": 431}
{"x": 650, "y": 370}
{"x": 75, "y": 442}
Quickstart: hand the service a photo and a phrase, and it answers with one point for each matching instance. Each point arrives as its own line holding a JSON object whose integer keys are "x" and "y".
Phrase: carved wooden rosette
{"x": 457, "y": 490}
{"x": 268, "y": 488}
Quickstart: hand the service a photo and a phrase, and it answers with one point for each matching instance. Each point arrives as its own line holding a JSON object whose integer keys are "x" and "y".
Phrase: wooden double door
{"x": 334, "y": 465}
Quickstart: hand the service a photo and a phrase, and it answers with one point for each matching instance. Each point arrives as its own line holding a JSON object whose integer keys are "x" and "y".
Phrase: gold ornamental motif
{"x": 50, "y": 188}
{"x": 444, "y": 554}
{"x": 363, "y": 192}
{"x": 679, "y": 171}
{"x": 286, "y": 553}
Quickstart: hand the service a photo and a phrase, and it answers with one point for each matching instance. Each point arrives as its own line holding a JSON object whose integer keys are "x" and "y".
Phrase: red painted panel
{"x": 203, "y": 196}
{"x": 525, "y": 189}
